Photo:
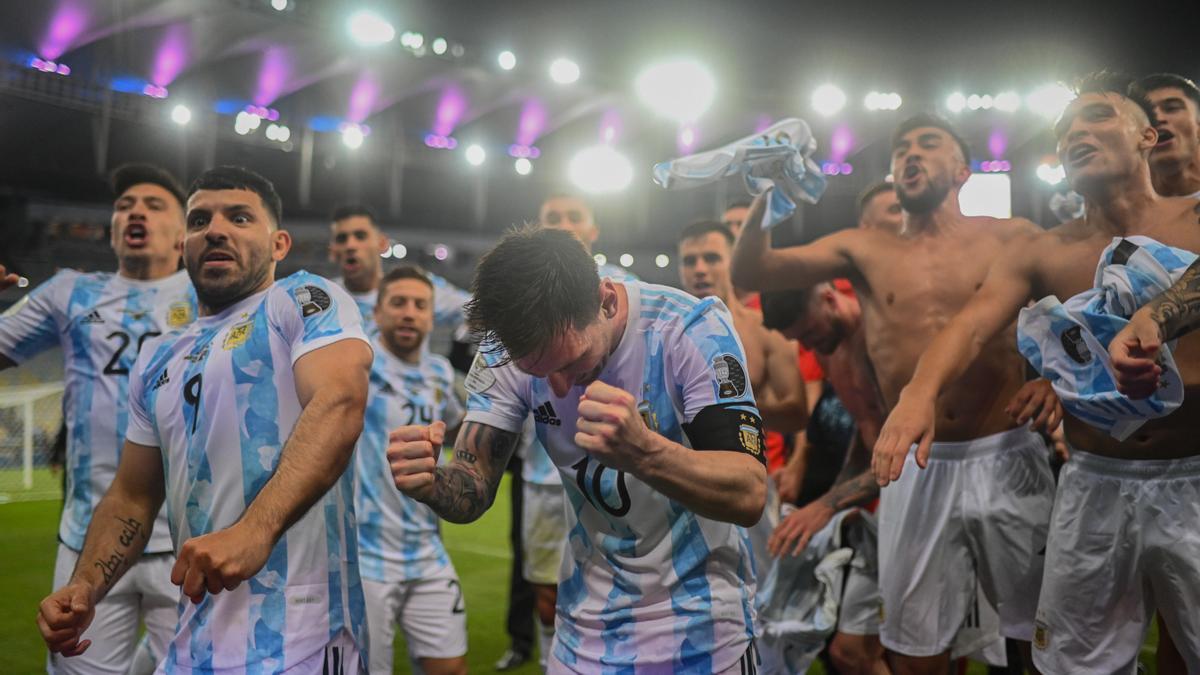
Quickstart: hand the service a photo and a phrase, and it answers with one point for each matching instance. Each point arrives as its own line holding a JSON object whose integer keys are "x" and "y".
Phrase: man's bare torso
{"x": 748, "y": 324}
{"x": 850, "y": 374}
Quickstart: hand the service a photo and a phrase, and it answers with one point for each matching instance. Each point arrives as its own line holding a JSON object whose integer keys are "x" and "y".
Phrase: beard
{"x": 218, "y": 289}
{"x": 927, "y": 200}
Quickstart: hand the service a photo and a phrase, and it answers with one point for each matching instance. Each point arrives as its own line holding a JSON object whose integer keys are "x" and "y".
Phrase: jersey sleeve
{"x": 34, "y": 324}
{"x": 709, "y": 368}
{"x": 497, "y": 395}
{"x": 311, "y": 312}
{"x": 453, "y": 412}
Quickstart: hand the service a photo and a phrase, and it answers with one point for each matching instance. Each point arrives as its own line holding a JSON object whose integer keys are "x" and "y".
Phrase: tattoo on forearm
{"x": 853, "y": 492}
{"x": 1177, "y": 310}
{"x": 464, "y": 489}
{"x": 132, "y": 539}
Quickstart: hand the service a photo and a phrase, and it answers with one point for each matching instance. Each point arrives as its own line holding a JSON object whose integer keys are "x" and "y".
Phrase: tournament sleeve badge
{"x": 311, "y": 299}
{"x": 480, "y": 378}
{"x": 731, "y": 377}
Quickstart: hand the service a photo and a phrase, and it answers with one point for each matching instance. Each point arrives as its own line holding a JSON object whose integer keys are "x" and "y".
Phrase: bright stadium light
{"x": 475, "y": 154}
{"x": 626, "y": 260}
{"x": 507, "y": 60}
{"x": 352, "y": 137}
{"x": 662, "y": 260}
{"x": 279, "y": 5}
{"x": 399, "y": 251}
{"x": 828, "y": 99}
{"x": 181, "y": 115}
{"x": 678, "y": 90}
{"x": 564, "y": 71}
{"x": 1051, "y": 175}
{"x": 600, "y": 169}
{"x": 523, "y": 166}
{"x": 369, "y": 29}
{"x": 1049, "y": 100}
{"x": 878, "y": 100}
{"x": 1007, "y": 101}
{"x": 600, "y": 259}
{"x": 439, "y": 46}
{"x": 956, "y": 102}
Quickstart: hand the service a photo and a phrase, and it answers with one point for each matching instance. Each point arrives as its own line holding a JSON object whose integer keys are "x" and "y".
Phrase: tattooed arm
{"x": 855, "y": 485}
{"x": 1134, "y": 351}
{"x": 115, "y": 538}
{"x": 463, "y": 488}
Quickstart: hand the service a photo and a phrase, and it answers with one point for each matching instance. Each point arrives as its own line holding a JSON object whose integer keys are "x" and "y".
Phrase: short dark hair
{"x": 1121, "y": 84}
{"x": 937, "y": 122}
{"x": 870, "y": 193}
{"x": 530, "y": 288}
{"x": 127, "y": 175}
{"x": 1157, "y": 81}
{"x": 781, "y": 309}
{"x": 240, "y": 178}
{"x": 344, "y": 211}
{"x": 402, "y": 272}
{"x": 741, "y": 203}
{"x": 702, "y": 227}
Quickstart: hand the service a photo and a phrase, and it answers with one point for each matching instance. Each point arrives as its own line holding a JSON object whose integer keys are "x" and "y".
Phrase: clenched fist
{"x": 413, "y": 455}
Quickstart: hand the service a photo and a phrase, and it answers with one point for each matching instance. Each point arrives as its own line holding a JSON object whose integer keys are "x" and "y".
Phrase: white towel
{"x": 780, "y": 157}
{"x": 1068, "y": 342}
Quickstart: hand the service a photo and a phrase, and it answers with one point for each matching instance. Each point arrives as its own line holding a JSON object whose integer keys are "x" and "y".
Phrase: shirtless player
{"x": 1124, "y": 539}
{"x": 910, "y": 285}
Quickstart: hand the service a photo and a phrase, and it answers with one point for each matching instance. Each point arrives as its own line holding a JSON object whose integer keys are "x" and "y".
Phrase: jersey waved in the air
{"x": 101, "y": 320}
{"x": 647, "y": 582}
{"x": 219, "y": 399}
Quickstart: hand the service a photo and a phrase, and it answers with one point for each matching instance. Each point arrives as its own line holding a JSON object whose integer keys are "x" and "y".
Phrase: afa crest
{"x": 237, "y": 336}
{"x": 179, "y": 314}
{"x": 749, "y": 435}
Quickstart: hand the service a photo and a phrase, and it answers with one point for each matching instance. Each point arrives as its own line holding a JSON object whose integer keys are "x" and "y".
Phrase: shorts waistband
{"x": 1012, "y": 439}
{"x": 1184, "y": 467}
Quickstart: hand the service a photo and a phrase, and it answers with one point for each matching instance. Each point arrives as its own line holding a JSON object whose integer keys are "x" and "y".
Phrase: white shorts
{"x": 143, "y": 593}
{"x": 543, "y": 532}
{"x": 979, "y": 511}
{"x": 1124, "y": 542}
{"x": 429, "y": 610}
{"x": 858, "y": 613}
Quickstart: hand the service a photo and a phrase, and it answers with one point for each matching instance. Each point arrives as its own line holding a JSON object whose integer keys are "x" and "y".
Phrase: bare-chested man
{"x": 980, "y": 515}
{"x": 1175, "y": 160}
{"x": 1124, "y": 538}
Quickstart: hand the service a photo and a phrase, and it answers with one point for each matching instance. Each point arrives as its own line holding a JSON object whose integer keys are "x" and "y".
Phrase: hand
{"x": 611, "y": 429}
{"x": 794, "y": 532}
{"x": 911, "y": 421}
{"x": 412, "y": 453}
{"x": 64, "y": 615}
{"x": 220, "y": 561}
{"x": 8, "y": 279}
{"x": 1058, "y": 441}
{"x": 1133, "y": 354}
{"x": 1036, "y": 401}
{"x": 788, "y": 482}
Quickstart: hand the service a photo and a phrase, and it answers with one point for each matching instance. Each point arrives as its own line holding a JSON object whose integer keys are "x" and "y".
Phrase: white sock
{"x": 545, "y": 643}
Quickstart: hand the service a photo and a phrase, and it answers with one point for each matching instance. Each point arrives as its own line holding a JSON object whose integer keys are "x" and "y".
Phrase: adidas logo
{"x": 386, "y": 388}
{"x": 93, "y": 317}
{"x": 162, "y": 379}
{"x": 544, "y": 414}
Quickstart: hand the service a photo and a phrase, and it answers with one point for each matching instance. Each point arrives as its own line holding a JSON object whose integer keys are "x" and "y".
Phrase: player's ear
{"x": 608, "y": 299}
{"x": 281, "y": 243}
{"x": 384, "y": 242}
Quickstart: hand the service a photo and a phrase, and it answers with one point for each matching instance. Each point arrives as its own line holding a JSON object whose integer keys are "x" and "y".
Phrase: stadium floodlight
{"x": 662, "y": 260}
{"x": 879, "y": 100}
{"x": 600, "y": 169}
{"x": 279, "y": 5}
{"x": 369, "y": 29}
{"x": 523, "y": 166}
{"x": 439, "y": 46}
{"x": 828, "y": 99}
{"x": 956, "y": 102}
{"x": 1051, "y": 175}
{"x": 679, "y": 90}
{"x": 600, "y": 259}
{"x": 1007, "y": 101}
{"x": 626, "y": 260}
{"x": 1049, "y": 100}
{"x": 181, "y": 115}
{"x": 475, "y": 154}
{"x": 564, "y": 71}
{"x": 399, "y": 251}
{"x": 352, "y": 136}
{"x": 507, "y": 60}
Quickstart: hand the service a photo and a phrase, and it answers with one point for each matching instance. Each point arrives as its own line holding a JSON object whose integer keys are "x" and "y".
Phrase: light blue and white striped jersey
{"x": 448, "y": 301}
{"x": 609, "y": 271}
{"x": 399, "y": 538}
{"x": 536, "y": 466}
{"x": 647, "y": 582}
{"x": 101, "y": 321}
{"x": 219, "y": 398}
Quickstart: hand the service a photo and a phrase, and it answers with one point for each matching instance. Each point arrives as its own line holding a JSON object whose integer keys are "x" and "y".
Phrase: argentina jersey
{"x": 101, "y": 320}
{"x": 647, "y": 583}
{"x": 536, "y": 466}
{"x": 398, "y": 537}
{"x": 219, "y": 399}
{"x": 448, "y": 301}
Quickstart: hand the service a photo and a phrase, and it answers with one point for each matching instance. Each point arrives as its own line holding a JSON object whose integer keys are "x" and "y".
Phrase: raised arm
{"x": 331, "y": 384}
{"x": 118, "y": 533}
{"x": 758, "y": 267}
{"x": 1005, "y": 290}
{"x": 463, "y": 488}
{"x": 1170, "y": 315}
{"x": 783, "y": 405}
{"x": 718, "y": 479}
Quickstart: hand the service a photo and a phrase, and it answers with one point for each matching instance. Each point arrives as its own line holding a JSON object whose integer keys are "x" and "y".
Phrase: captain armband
{"x": 728, "y": 426}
